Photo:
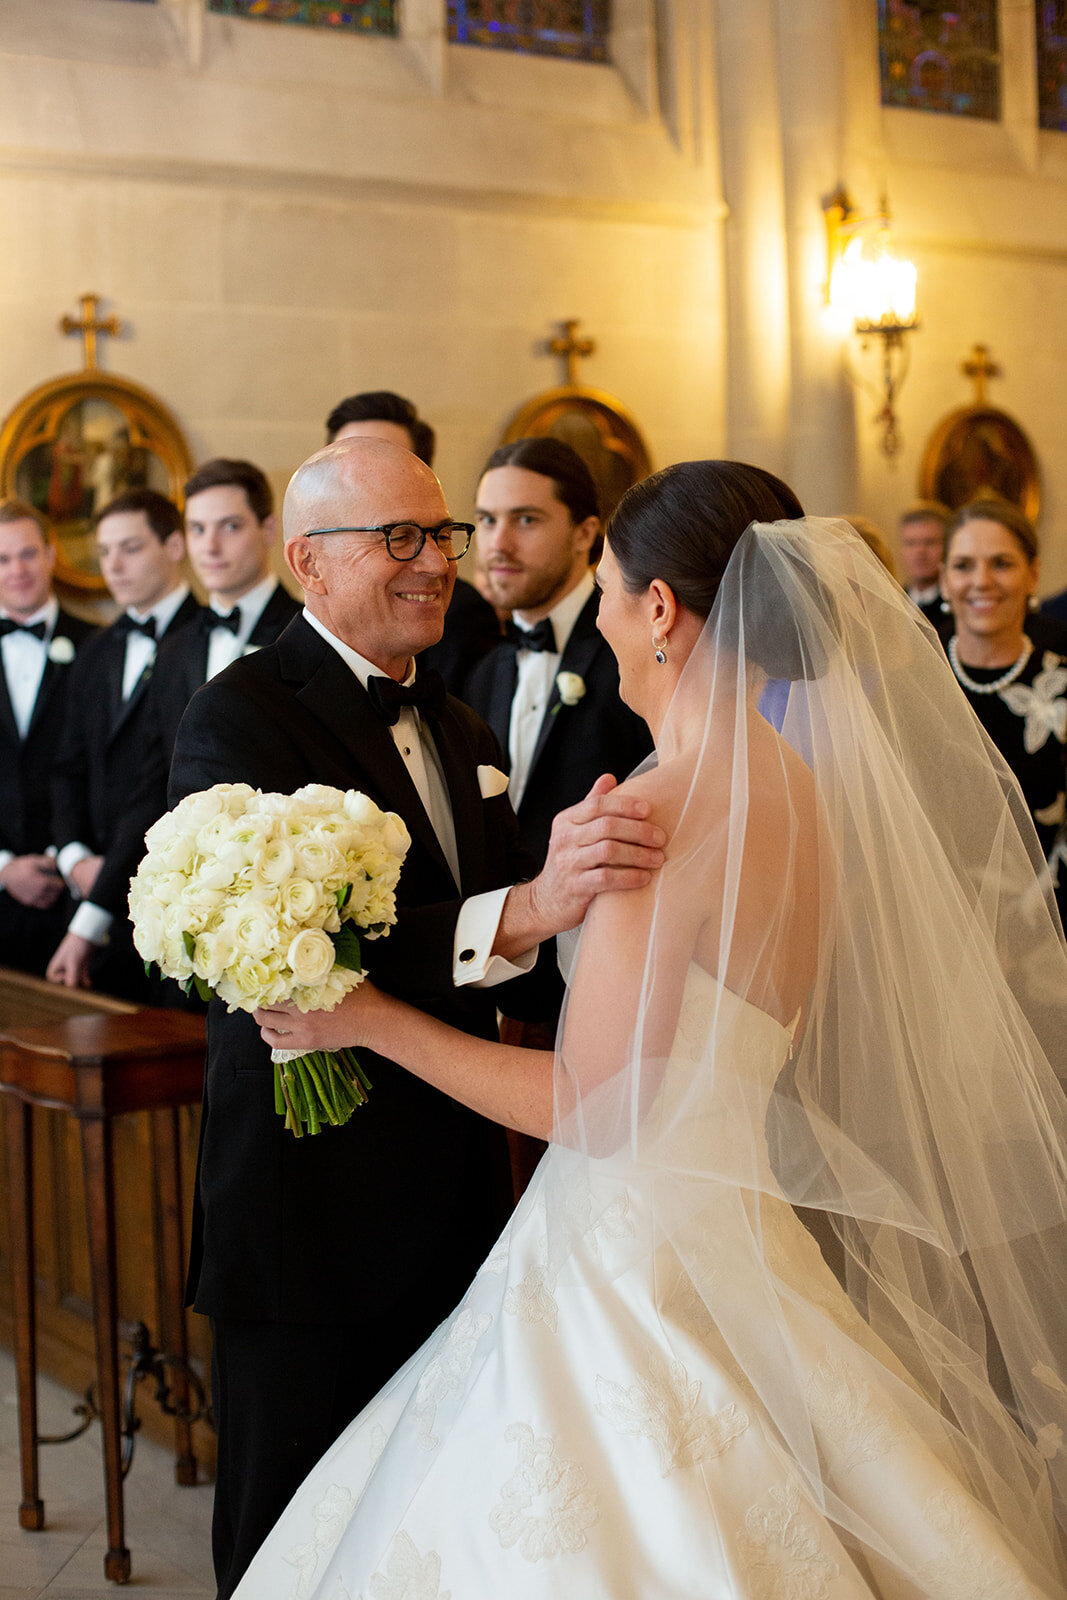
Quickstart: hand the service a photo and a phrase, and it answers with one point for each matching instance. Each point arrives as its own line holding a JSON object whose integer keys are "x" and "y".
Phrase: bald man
{"x": 325, "y": 1263}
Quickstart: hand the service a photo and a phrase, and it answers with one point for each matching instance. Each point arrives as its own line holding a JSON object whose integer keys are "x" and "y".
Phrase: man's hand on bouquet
{"x": 352, "y": 1024}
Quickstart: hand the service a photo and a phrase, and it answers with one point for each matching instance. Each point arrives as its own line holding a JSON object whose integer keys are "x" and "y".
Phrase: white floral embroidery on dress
{"x": 1042, "y": 704}
{"x": 444, "y": 1373}
{"x": 546, "y": 1505}
{"x": 497, "y": 1259}
{"x": 781, "y": 1553}
{"x": 532, "y": 1300}
{"x": 664, "y": 1407}
{"x": 407, "y": 1575}
{"x": 966, "y": 1569}
{"x": 847, "y": 1418}
{"x": 331, "y": 1516}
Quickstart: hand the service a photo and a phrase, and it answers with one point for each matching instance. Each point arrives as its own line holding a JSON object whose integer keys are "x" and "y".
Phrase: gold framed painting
{"x": 73, "y": 444}
{"x": 978, "y": 450}
{"x": 596, "y": 426}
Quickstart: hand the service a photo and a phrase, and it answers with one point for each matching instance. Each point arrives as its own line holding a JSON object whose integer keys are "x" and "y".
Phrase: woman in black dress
{"x": 1018, "y": 689}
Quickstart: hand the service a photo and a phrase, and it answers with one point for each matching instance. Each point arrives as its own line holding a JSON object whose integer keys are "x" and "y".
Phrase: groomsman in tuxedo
{"x": 550, "y": 690}
{"x": 324, "y": 1262}
{"x": 471, "y": 625}
{"x": 38, "y": 644}
{"x": 230, "y": 530}
{"x": 141, "y": 548}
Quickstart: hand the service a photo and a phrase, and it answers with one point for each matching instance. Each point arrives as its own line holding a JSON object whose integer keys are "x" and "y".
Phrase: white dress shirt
{"x": 533, "y": 687}
{"x": 926, "y": 595}
{"x": 24, "y": 660}
{"x": 224, "y": 647}
{"x": 140, "y": 649}
{"x": 479, "y": 918}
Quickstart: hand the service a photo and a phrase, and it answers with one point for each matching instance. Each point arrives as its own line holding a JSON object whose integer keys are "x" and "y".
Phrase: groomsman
{"x": 141, "y": 548}
{"x": 550, "y": 691}
{"x": 230, "y": 531}
{"x": 38, "y": 643}
{"x": 471, "y": 625}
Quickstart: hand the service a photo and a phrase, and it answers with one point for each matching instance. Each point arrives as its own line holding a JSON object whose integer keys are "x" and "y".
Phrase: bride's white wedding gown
{"x": 580, "y": 1427}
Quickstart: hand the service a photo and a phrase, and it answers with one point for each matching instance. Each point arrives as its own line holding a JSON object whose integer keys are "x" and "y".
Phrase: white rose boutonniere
{"x": 571, "y": 688}
{"x": 61, "y": 650}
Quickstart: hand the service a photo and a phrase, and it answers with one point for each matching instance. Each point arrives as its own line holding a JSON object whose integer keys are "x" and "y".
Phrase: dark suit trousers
{"x": 282, "y": 1393}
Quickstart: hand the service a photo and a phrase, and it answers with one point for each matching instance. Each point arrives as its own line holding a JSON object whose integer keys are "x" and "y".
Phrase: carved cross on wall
{"x": 979, "y": 368}
{"x": 88, "y": 326}
{"x": 571, "y": 348}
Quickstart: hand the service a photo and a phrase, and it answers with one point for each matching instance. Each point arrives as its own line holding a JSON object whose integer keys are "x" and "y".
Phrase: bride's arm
{"x": 503, "y": 1082}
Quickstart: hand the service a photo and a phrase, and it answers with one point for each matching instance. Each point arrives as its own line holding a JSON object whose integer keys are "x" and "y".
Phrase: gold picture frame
{"x": 595, "y": 425}
{"x": 72, "y": 444}
{"x": 979, "y": 450}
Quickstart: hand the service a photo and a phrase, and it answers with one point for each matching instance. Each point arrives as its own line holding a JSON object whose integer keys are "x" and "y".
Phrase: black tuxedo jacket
{"x": 343, "y": 1224}
{"x": 104, "y": 737}
{"x": 576, "y": 744}
{"x": 26, "y": 821}
{"x": 472, "y": 629}
{"x": 179, "y": 670}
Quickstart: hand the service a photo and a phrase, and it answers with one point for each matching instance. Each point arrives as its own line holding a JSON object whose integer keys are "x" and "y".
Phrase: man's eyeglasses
{"x": 404, "y": 540}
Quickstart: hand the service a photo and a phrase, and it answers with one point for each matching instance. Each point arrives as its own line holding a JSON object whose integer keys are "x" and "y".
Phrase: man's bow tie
{"x": 128, "y": 624}
{"x": 541, "y": 636}
{"x": 9, "y": 625}
{"x": 426, "y": 694}
{"x": 210, "y": 620}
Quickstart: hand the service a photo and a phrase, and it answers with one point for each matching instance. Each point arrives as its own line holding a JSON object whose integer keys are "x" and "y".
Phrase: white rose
{"x": 162, "y": 832}
{"x": 253, "y": 981}
{"x": 301, "y": 899}
{"x": 310, "y": 956}
{"x": 275, "y": 862}
{"x": 319, "y": 797}
{"x": 251, "y": 927}
{"x": 211, "y": 956}
{"x": 147, "y": 919}
{"x": 317, "y": 859}
{"x": 395, "y": 836}
{"x": 60, "y": 650}
{"x": 571, "y": 687}
{"x": 360, "y": 808}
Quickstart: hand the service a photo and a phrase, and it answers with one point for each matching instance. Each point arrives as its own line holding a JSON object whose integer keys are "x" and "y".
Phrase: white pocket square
{"x": 491, "y": 782}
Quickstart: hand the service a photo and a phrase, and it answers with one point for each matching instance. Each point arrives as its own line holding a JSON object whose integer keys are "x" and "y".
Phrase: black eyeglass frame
{"x": 389, "y": 529}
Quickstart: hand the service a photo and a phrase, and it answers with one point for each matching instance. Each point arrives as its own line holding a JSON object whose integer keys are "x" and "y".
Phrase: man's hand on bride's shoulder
{"x": 607, "y": 842}
{"x": 352, "y": 1024}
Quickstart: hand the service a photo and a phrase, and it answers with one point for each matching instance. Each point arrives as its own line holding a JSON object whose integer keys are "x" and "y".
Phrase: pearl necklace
{"x": 1013, "y": 672}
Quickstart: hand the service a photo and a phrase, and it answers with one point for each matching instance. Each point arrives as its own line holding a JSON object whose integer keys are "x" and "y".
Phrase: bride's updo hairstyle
{"x": 681, "y": 525}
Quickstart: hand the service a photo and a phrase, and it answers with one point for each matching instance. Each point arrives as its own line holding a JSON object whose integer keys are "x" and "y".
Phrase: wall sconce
{"x": 872, "y": 288}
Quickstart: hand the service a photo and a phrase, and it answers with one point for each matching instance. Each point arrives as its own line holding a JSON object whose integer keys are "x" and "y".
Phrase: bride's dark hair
{"x": 682, "y": 524}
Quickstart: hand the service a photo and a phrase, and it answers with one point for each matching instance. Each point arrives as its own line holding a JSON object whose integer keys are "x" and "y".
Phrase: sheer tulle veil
{"x": 851, "y": 859}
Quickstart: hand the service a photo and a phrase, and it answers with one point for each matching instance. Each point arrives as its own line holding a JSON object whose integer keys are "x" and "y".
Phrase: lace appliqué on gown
{"x": 445, "y": 1372}
{"x": 532, "y": 1300}
{"x": 407, "y": 1575}
{"x": 331, "y": 1517}
{"x": 966, "y": 1569}
{"x": 781, "y": 1553}
{"x": 665, "y": 1407}
{"x": 546, "y": 1505}
{"x": 852, "y": 1427}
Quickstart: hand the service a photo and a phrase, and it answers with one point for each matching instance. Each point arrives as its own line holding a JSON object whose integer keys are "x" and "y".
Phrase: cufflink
{"x": 467, "y": 955}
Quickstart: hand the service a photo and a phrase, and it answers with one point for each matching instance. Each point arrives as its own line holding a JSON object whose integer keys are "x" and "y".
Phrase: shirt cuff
{"x": 68, "y": 859}
{"x": 473, "y": 961}
{"x": 6, "y": 858}
{"x": 91, "y": 922}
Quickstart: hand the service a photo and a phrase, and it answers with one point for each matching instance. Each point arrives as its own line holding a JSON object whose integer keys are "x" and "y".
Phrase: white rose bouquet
{"x": 260, "y": 899}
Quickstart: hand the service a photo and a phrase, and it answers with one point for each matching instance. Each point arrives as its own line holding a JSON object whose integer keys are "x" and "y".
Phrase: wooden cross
{"x": 89, "y": 327}
{"x": 978, "y": 369}
{"x": 570, "y": 348}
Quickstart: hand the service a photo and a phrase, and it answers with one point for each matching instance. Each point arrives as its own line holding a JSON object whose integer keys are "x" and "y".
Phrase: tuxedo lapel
{"x": 460, "y": 767}
{"x": 122, "y": 710}
{"x": 53, "y": 672}
{"x": 578, "y": 657}
{"x": 503, "y": 682}
{"x": 7, "y": 711}
{"x": 276, "y": 614}
{"x": 335, "y": 696}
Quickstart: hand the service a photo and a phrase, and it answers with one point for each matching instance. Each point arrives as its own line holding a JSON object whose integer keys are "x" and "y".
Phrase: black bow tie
{"x": 128, "y": 624}
{"x": 542, "y": 636}
{"x": 9, "y": 625}
{"x": 210, "y": 620}
{"x": 426, "y": 694}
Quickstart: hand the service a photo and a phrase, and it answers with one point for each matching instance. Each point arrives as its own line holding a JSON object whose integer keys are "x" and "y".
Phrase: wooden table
{"x": 94, "y": 1059}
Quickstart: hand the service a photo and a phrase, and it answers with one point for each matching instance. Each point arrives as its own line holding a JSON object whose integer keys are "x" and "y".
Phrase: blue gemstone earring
{"x": 660, "y": 647}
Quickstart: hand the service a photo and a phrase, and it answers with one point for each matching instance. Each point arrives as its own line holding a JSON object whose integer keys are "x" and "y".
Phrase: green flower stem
{"x": 310, "y": 1100}
{"x": 310, "y": 1064}
{"x": 292, "y": 1121}
{"x": 320, "y": 1088}
{"x": 279, "y": 1093}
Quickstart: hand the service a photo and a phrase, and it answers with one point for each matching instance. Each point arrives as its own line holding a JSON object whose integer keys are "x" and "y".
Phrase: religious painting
{"x": 353, "y": 16}
{"x": 940, "y": 57}
{"x": 578, "y": 30}
{"x": 1052, "y": 64}
{"x": 74, "y": 444}
{"x": 979, "y": 450}
{"x": 595, "y": 426}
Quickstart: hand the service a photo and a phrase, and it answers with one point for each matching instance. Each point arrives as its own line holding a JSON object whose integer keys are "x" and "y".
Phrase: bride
{"x": 843, "y": 993}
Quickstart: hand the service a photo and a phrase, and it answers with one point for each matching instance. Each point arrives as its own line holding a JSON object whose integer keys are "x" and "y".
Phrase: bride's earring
{"x": 660, "y": 647}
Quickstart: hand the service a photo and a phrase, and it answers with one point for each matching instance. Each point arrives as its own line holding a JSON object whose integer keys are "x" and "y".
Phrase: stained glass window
{"x": 576, "y": 29}
{"x": 1052, "y": 64}
{"x": 940, "y": 57}
{"x": 355, "y": 16}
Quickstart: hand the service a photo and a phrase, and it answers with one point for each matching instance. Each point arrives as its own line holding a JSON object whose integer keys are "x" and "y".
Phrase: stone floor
{"x": 167, "y": 1528}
